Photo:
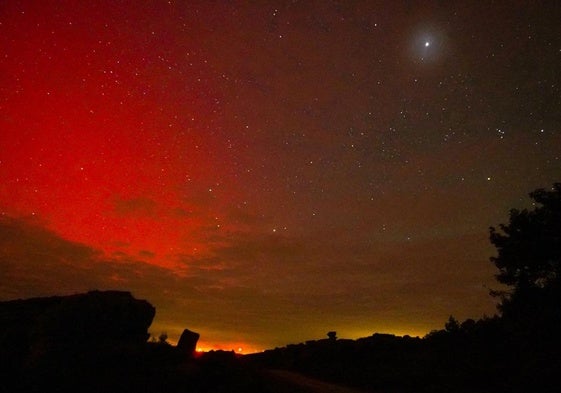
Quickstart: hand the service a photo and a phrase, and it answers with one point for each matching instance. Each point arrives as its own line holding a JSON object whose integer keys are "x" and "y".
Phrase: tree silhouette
{"x": 529, "y": 255}
{"x": 163, "y": 339}
{"x": 452, "y": 326}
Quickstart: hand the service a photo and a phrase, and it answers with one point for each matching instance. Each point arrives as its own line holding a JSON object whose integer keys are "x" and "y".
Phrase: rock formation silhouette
{"x": 58, "y": 326}
{"x": 188, "y": 342}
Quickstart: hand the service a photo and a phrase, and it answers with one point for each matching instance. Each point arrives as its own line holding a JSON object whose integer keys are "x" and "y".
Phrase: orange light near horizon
{"x": 237, "y": 348}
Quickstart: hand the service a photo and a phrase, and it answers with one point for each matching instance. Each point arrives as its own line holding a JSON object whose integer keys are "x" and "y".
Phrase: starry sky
{"x": 264, "y": 172}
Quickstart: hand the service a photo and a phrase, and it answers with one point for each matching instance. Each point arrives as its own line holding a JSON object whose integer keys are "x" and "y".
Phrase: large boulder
{"x": 187, "y": 343}
{"x": 33, "y": 328}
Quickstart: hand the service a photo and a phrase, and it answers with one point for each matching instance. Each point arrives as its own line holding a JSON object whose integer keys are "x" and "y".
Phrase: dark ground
{"x": 96, "y": 342}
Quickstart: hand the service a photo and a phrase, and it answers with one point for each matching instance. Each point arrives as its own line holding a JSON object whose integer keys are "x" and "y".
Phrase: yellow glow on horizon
{"x": 239, "y": 348}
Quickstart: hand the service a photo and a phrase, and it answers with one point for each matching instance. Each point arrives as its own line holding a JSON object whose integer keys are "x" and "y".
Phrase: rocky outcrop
{"x": 187, "y": 343}
{"x": 33, "y": 328}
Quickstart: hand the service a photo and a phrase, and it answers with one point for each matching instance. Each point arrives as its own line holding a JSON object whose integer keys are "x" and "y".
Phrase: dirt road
{"x": 285, "y": 381}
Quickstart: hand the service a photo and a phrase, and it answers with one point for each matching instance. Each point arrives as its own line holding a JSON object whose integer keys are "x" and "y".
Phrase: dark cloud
{"x": 146, "y": 254}
{"x": 180, "y": 213}
{"x": 35, "y": 261}
{"x": 139, "y": 206}
{"x": 249, "y": 283}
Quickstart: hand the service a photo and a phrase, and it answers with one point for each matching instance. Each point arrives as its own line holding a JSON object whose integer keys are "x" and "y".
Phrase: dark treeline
{"x": 488, "y": 355}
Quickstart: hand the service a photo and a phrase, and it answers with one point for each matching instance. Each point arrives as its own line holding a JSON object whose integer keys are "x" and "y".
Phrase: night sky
{"x": 264, "y": 172}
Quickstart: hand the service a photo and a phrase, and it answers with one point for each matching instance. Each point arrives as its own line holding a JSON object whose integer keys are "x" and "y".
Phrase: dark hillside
{"x": 486, "y": 355}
